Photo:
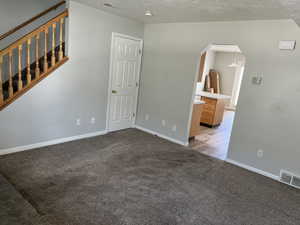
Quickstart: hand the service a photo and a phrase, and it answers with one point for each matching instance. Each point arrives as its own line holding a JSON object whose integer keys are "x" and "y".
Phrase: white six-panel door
{"x": 124, "y": 81}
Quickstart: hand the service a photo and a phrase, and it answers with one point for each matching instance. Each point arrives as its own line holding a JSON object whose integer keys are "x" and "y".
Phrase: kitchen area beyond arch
{"x": 216, "y": 95}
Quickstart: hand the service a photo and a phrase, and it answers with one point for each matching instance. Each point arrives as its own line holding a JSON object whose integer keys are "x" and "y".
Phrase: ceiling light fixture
{"x": 148, "y": 13}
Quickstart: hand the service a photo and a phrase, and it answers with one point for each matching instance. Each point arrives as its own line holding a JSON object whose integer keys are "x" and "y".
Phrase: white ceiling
{"x": 167, "y": 11}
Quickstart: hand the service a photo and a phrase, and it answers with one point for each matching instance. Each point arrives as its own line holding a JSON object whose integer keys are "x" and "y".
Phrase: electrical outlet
{"x": 93, "y": 120}
{"x": 78, "y": 122}
{"x": 163, "y": 123}
{"x": 147, "y": 117}
{"x": 174, "y": 128}
{"x": 260, "y": 153}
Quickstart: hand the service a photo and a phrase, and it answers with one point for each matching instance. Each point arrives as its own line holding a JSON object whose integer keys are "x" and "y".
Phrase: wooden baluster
{"x": 53, "y": 45}
{"x": 28, "y": 62}
{"x": 37, "y": 57}
{"x": 20, "y": 83}
{"x": 61, "y": 53}
{"x": 10, "y": 85}
{"x": 46, "y": 51}
{"x": 1, "y": 82}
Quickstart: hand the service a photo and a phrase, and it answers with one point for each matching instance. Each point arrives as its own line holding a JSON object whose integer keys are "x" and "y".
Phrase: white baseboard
{"x": 161, "y": 135}
{"x": 252, "y": 169}
{"x": 48, "y": 143}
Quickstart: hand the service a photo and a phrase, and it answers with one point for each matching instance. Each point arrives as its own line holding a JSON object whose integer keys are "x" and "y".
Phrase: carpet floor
{"x": 133, "y": 178}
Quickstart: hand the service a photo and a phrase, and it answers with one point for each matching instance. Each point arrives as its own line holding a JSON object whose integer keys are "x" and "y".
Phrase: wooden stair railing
{"x": 42, "y": 58}
{"x": 2, "y": 36}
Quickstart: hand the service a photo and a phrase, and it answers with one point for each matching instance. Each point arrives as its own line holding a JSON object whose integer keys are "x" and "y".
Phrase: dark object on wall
{"x": 215, "y": 81}
{"x": 207, "y": 84}
{"x": 212, "y": 82}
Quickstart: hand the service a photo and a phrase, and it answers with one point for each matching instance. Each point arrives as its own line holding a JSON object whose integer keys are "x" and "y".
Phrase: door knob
{"x": 114, "y": 91}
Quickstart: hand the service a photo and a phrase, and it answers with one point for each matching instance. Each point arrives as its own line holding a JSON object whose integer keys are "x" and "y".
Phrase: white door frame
{"x": 239, "y": 73}
{"x": 189, "y": 125}
{"x": 112, "y": 48}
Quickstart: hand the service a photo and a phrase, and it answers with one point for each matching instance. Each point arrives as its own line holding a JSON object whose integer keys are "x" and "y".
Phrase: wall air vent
{"x": 290, "y": 179}
{"x": 285, "y": 177}
{"x": 296, "y": 182}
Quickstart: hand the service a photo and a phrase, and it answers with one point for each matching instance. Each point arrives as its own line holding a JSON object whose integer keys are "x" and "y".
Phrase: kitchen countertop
{"x": 199, "y": 102}
{"x": 212, "y": 95}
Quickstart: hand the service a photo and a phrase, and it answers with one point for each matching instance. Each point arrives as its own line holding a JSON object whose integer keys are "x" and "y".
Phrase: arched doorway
{"x": 216, "y": 92}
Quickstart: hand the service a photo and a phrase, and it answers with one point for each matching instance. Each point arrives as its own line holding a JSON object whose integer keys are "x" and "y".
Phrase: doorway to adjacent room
{"x": 216, "y": 94}
{"x": 125, "y": 64}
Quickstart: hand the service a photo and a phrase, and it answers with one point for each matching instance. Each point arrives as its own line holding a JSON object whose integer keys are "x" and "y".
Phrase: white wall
{"x": 78, "y": 89}
{"x": 209, "y": 63}
{"x": 22, "y": 11}
{"x": 267, "y": 116}
{"x": 227, "y": 74}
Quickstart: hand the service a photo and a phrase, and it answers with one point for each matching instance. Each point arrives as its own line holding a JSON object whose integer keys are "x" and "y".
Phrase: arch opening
{"x": 216, "y": 88}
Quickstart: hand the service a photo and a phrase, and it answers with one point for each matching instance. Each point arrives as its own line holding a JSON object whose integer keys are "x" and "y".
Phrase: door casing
{"x": 112, "y": 49}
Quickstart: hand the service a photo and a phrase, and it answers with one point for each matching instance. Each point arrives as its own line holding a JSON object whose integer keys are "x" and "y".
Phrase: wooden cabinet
{"x": 195, "y": 124}
{"x": 213, "y": 111}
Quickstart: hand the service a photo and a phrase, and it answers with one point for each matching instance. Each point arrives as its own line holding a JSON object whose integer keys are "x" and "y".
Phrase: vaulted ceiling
{"x": 167, "y": 11}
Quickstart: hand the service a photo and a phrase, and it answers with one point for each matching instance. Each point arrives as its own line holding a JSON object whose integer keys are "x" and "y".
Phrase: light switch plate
{"x": 147, "y": 117}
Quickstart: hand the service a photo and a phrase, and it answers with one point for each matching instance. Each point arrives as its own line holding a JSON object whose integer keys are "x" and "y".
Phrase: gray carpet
{"x": 133, "y": 178}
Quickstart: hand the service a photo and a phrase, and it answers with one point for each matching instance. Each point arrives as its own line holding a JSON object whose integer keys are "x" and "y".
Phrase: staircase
{"x": 29, "y": 60}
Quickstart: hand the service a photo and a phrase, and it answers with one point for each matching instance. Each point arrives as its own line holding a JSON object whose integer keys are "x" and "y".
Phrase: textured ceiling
{"x": 201, "y": 10}
{"x": 293, "y": 8}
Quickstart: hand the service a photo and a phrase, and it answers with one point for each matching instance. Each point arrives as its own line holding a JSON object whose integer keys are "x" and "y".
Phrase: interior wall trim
{"x": 253, "y": 169}
{"x": 49, "y": 143}
{"x": 161, "y": 135}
